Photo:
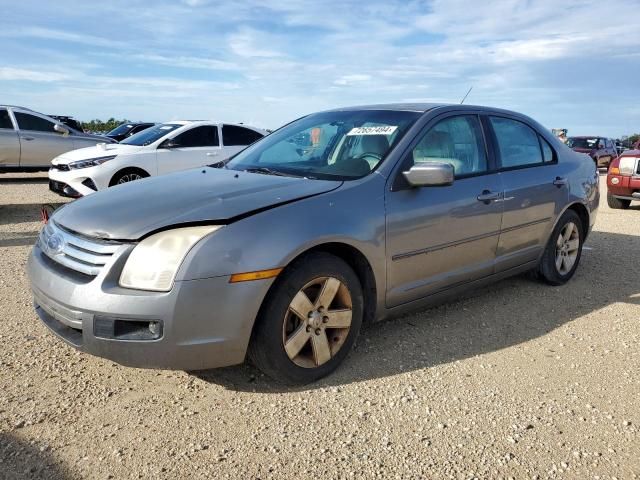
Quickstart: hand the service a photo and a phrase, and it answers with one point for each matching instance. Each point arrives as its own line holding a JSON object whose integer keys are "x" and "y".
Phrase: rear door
{"x": 235, "y": 138}
{"x": 9, "y": 141}
{"x": 192, "y": 148}
{"x": 39, "y": 142}
{"x": 535, "y": 189}
{"x": 439, "y": 237}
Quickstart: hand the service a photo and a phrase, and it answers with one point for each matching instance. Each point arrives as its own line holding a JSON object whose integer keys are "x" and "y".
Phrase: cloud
{"x": 352, "y": 79}
{"x": 15, "y": 74}
{"x": 248, "y": 42}
{"x": 65, "y": 36}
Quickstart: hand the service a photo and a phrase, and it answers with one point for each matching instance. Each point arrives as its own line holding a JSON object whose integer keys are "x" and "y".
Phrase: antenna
{"x": 465, "y": 97}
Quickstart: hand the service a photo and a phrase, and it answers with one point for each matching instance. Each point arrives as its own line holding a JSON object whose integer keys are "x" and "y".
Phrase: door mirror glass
{"x": 61, "y": 129}
{"x": 169, "y": 144}
{"x": 430, "y": 174}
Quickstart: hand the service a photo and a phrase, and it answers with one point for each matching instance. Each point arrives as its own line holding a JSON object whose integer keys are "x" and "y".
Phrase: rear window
{"x": 5, "y": 120}
{"x": 233, "y": 135}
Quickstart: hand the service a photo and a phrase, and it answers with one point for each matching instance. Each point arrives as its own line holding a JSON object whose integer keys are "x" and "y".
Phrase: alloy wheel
{"x": 317, "y": 322}
{"x": 129, "y": 177}
{"x": 567, "y": 247}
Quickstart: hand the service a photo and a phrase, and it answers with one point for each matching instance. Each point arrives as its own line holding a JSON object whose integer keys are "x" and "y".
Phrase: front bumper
{"x": 206, "y": 323}
{"x": 70, "y": 183}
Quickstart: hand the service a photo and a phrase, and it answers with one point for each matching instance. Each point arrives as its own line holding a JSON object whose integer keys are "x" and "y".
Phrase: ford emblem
{"x": 55, "y": 244}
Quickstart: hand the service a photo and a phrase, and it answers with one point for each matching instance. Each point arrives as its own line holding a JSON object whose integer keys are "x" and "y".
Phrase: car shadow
{"x": 4, "y": 179}
{"x": 24, "y": 212}
{"x": 21, "y": 460}
{"x": 499, "y": 316}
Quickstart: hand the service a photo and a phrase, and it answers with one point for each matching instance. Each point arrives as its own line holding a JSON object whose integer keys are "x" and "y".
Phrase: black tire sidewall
{"x": 547, "y": 268}
{"x": 266, "y": 349}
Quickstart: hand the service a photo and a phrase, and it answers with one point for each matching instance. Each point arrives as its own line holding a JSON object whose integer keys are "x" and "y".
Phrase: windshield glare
{"x": 151, "y": 134}
{"x": 342, "y": 145}
{"x": 121, "y": 129}
{"x": 575, "y": 142}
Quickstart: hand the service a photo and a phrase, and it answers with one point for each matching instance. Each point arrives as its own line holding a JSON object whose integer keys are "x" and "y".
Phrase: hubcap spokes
{"x": 130, "y": 177}
{"x": 317, "y": 322}
{"x": 567, "y": 246}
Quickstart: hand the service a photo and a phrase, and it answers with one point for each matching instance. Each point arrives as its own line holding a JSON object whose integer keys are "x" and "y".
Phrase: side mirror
{"x": 61, "y": 129}
{"x": 430, "y": 174}
{"x": 169, "y": 144}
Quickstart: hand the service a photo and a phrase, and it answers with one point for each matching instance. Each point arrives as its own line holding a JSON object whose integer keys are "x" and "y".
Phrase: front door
{"x": 9, "y": 143}
{"x": 535, "y": 191}
{"x": 439, "y": 237}
{"x": 193, "y": 148}
{"x": 39, "y": 142}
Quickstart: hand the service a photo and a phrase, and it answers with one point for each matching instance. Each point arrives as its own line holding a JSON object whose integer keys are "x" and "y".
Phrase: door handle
{"x": 212, "y": 154}
{"x": 28, "y": 139}
{"x": 487, "y": 196}
{"x": 560, "y": 181}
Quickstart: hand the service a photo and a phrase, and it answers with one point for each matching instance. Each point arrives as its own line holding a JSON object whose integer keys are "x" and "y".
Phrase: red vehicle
{"x": 623, "y": 179}
{"x": 601, "y": 149}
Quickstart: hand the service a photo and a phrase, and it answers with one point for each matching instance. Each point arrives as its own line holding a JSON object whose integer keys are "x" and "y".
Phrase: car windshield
{"x": 150, "y": 135}
{"x": 121, "y": 129}
{"x": 340, "y": 145}
{"x": 582, "y": 142}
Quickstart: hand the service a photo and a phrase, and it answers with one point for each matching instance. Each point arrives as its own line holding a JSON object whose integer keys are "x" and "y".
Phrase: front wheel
{"x": 564, "y": 249}
{"x": 309, "y": 321}
{"x": 617, "y": 203}
{"x": 128, "y": 175}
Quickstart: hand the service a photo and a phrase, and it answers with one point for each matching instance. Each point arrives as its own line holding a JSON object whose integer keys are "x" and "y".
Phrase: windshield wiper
{"x": 268, "y": 171}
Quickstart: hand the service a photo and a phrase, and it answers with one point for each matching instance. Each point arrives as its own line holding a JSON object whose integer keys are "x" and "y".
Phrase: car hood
{"x": 102, "y": 150}
{"x": 133, "y": 210}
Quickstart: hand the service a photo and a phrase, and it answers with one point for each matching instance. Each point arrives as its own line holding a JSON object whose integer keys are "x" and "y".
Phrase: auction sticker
{"x": 382, "y": 130}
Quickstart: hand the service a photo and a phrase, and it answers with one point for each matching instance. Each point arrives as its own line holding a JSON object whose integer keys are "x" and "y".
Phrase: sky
{"x": 572, "y": 64}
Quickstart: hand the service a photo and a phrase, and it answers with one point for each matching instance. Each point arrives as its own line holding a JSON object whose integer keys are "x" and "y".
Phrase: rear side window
{"x": 5, "y": 120}
{"x": 455, "y": 140}
{"x": 547, "y": 152}
{"x": 233, "y": 135}
{"x": 31, "y": 122}
{"x": 517, "y": 142}
{"x": 204, "y": 136}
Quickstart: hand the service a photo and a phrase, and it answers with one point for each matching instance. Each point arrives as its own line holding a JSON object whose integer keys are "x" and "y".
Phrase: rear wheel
{"x": 564, "y": 249}
{"x": 127, "y": 175}
{"x": 309, "y": 321}
{"x": 617, "y": 203}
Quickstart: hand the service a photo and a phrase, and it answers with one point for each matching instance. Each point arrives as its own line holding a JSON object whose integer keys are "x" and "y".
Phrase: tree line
{"x": 98, "y": 125}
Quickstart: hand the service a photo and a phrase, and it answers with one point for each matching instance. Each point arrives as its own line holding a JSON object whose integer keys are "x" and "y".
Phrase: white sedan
{"x": 164, "y": 148}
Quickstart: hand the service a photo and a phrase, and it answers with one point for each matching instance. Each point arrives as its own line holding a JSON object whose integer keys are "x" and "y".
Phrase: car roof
{"x": 425, "y": 107}
{"x": 587, "y": 136}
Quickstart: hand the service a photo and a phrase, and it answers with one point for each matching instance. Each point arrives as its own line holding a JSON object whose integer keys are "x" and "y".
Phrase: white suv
{"x": 164, "y": 148}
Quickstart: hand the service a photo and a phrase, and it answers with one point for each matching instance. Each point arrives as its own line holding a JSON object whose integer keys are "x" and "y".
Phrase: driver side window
{"x": 457, "y": 141}
{"x": 203, "y": 136}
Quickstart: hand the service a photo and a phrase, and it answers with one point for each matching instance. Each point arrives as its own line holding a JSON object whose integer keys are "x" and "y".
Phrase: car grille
{"x": 60, "y": 167}
{"x": 87, "y": 256}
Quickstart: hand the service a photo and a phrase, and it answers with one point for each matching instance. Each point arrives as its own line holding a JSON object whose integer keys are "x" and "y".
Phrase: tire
{"x": 314, "y": 348}
{"x": 128, "y": 175}
{"x": 617, "y": 203}
{"x": 562, "y": 254}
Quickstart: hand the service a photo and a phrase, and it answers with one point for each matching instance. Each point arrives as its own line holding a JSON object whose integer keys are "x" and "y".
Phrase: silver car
{"x": 338, "y": 219}
{"x": 30, "y": 140}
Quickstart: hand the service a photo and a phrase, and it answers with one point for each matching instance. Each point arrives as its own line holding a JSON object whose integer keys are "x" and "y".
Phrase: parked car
{"x": 285, "y": 251}
{"x": 29, "y": 140}
{"x": 125, "y": 130}
{"x": 68, "y": 121}
{"x": 601, "y": 149}
{"x": 161, "y": 149}
{"x": 623, "y": 180}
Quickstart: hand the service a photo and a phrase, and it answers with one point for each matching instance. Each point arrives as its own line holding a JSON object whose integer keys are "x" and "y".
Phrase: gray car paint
{"x": 420, "y": 244}
{"x": 29, "y": 149}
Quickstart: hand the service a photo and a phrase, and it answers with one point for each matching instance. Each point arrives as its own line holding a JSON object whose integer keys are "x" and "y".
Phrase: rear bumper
{"x": 624, "y": 187}
{"x": 205, "y": 323}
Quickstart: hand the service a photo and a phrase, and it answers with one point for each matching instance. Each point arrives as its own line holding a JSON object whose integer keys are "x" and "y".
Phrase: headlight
{"x": 154, "y": 262}
{"x": 91, "y": 162}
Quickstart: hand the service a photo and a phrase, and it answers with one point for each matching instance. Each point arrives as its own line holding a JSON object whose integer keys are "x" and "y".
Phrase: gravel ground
{"x": 516, "y": 380}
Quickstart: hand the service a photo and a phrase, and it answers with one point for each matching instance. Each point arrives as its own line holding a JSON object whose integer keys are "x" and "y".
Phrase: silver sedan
{"x": 338, "y": 219}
